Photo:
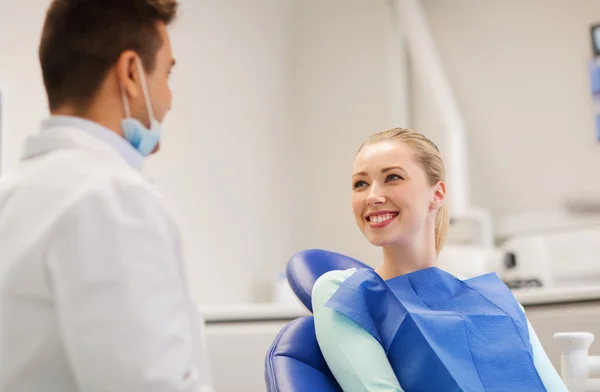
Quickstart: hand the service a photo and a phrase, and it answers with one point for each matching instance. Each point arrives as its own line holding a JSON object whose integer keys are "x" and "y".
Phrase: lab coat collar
{"x": 60, "y": 132}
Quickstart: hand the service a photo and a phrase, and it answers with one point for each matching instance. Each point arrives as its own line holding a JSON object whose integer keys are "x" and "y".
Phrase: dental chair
{"x": 294, "y": 363}
{"x": 576, "y": 365}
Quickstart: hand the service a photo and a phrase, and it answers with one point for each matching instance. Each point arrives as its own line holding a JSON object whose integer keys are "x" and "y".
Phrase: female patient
{"x": 408, "y": 325}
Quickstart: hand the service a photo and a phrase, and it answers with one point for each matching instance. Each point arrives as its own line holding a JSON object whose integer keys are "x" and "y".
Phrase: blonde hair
{"x": 428, "y": 155}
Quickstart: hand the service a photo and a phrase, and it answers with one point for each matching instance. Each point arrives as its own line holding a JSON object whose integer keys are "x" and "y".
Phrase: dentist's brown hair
{"x": 82, "y": 39}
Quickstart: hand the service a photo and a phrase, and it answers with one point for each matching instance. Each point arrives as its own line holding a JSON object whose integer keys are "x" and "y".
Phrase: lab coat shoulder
{"x": 125, "y": 193}
{"x": 74, "y": 178}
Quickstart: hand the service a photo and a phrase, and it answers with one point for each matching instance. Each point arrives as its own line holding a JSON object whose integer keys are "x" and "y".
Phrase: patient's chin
{"x": 392, "y": 238}
{"x": 380, "y": 240}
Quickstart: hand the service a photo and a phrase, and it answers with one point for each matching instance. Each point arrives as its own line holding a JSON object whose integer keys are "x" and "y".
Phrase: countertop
{"x": 261, "y": 312}
{"x": 556, "y": 295}
{"x": 253, "y": 312}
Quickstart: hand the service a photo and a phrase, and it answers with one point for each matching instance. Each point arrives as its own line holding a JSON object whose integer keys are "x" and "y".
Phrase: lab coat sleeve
{"x": 355, "y": 358}
{"x": 122, "y": 305}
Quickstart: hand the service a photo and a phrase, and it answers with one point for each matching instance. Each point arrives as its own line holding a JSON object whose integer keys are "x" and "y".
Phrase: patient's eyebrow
{"x": 387, "y": 169}
{"x": 384, "y": 170}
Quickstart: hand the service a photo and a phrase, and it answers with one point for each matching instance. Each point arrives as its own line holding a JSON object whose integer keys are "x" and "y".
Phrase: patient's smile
{"x": 381, "y": 220}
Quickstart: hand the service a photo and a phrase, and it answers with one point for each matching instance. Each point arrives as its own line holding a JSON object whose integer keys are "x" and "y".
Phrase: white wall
{"x": 225, "y": 163}
{"x": 20, "y": 73}
{"x": 519, "y": 71}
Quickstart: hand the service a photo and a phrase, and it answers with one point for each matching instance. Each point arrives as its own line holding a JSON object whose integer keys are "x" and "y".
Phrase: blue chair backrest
{"x": 294, "y": 363}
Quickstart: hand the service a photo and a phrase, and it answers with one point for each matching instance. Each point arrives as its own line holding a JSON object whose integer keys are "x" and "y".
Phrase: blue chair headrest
{"x": 304, "y": 268}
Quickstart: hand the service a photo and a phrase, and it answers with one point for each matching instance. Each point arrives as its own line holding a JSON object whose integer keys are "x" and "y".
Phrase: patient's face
{"x": 391, "y": 196}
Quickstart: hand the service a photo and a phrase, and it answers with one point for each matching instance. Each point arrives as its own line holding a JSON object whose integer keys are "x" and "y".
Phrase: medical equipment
{"x": 470, "y": 249}
{"x": 559, "y": 255}
{"x": 595, "y": 38}
{"x": 594, "y": 71}
{"x": 578, "y": 368}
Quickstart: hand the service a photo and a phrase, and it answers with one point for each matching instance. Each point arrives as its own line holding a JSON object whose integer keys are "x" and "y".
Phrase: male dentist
{"x": 93, "y": 294}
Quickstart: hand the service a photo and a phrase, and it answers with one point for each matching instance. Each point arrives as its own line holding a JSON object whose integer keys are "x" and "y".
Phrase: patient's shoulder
{"x": 327, "y": 284}
{"x": 336, "y": 277}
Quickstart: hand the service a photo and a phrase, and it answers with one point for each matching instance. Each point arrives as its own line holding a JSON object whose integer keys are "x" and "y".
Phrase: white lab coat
{"x": 92, "y": 289}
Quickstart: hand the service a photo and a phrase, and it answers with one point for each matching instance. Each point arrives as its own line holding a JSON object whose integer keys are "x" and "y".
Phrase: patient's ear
{"x": 439, "y": 195}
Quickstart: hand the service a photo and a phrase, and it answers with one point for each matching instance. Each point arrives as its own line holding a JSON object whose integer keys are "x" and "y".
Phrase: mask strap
{"x": 145, "y": 88}
{"x": 125, "y": 102}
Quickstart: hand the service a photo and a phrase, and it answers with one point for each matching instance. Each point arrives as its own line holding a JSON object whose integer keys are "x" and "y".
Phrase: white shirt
{"x": 92, "y": 289}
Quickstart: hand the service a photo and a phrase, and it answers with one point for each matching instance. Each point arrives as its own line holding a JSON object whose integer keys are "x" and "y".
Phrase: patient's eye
{"x": 359, "y": 184}
{"x": 393, "y": 177}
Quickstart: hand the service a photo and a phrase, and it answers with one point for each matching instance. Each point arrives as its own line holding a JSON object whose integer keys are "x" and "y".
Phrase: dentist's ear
{"x": 439, "y": 195}
{"x": 128, "y": 75}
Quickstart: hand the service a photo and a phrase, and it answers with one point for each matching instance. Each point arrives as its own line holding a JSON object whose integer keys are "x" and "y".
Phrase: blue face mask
{"x": 144, "y": 140}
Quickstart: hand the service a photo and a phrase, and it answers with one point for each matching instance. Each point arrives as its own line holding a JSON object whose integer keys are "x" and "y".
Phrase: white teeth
{"x": 381, "y": 218}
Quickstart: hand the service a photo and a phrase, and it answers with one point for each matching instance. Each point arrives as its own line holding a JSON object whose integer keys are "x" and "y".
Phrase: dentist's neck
{"x": 401, "y": 259}
{"x": 106, "y": 109}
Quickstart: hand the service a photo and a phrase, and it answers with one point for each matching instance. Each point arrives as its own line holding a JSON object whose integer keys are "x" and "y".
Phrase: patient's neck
{"x": 401, "y": 259}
